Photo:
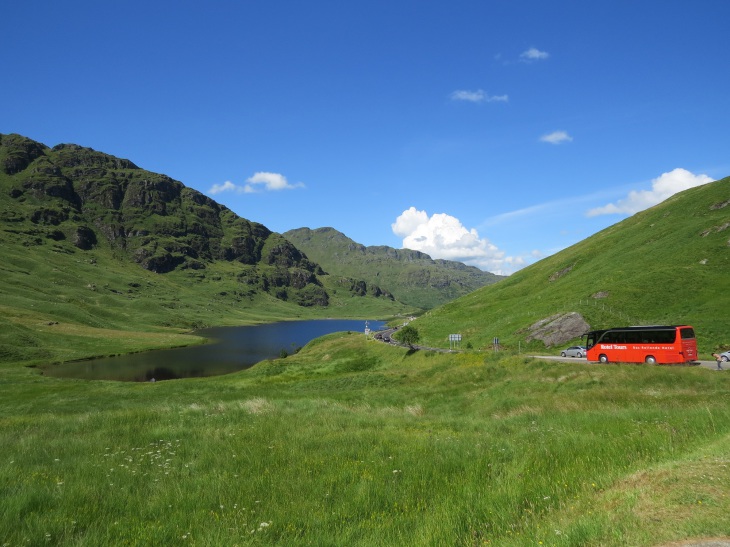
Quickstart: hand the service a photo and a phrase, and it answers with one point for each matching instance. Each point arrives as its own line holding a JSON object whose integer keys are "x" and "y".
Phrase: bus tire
{"x": 650, "y": 360}
{"x": 603, "y": 359}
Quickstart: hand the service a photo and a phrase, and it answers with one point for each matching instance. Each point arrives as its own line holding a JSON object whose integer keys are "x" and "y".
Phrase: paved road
{"x": 387, "y": 336}
{"x": 712, "y": 365}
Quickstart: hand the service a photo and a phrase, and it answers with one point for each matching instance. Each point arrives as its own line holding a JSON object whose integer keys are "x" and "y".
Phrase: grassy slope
{"x": 59, "y": 303}
{"x": 656, "y": 267}
{"x": 359, "y": 443}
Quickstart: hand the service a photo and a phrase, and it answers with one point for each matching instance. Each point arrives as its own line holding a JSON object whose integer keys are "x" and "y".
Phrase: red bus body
{"x": 660, "y": 344}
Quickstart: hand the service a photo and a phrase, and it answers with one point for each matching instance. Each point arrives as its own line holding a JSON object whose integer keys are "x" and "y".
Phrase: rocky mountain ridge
{"x": 412, "y": 276}
{"x": 77, "y": 195}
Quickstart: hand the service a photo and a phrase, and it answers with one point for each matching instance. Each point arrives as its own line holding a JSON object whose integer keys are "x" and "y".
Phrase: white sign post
{"x": 454, "y": 341}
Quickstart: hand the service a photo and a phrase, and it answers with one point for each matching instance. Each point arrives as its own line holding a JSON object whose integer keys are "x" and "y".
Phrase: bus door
{"x": 689, "y": 343}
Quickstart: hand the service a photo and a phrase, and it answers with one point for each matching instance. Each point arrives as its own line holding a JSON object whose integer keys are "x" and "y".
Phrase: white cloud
{"x": 219, "y": 188}
{"x": 556, "y": 137}
{"x": 270, "y": 182}
{"x": 443, "y": 236}
{"x": 259, "y": 182}
{"x": 662, "y": 187}
{"x": 478, "y": 96}
{"x": 534, "y": 54}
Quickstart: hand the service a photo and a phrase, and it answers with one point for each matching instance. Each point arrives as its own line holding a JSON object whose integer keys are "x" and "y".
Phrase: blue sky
{"x": 491, "y": 132}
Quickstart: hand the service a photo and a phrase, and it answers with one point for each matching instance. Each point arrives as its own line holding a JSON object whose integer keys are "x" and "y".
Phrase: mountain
{"x": 669, "y": 264}
{"x": 84, "y": 233}
{"x": 411, "y": 276}
{"x": 95, "y": 247}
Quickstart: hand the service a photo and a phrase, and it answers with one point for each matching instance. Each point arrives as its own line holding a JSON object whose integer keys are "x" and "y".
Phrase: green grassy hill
{"x": 411, "y": 276}
{"x": 92, "y": 245}
{"x": 667, "y": 265}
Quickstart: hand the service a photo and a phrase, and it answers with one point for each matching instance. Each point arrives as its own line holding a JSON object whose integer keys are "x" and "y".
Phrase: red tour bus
{"x": 651, "y": 344}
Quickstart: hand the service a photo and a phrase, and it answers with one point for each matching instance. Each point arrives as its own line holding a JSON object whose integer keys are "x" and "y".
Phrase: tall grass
{"x": 359, "y": 443}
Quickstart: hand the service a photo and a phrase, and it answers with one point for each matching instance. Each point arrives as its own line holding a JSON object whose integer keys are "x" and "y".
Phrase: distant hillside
{"x": 411, "y": 276}
{"x": 667, "y": 265}
{"x": 86, "y": 235}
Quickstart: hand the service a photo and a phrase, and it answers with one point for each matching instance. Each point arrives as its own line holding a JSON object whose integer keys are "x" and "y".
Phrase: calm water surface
{"x": 230, "y": 349}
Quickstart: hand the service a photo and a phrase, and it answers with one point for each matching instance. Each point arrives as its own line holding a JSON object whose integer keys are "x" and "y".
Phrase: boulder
{"x": 558, "y": 329}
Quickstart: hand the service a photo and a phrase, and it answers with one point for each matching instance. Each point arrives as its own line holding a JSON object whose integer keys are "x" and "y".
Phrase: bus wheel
{"x": 603, "y": 358}
{"x": 650, "y": 360}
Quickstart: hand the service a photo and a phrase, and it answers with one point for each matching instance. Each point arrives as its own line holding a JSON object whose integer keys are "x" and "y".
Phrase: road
{"x": 712, "y": 365}
{"x": 387, "y": 336}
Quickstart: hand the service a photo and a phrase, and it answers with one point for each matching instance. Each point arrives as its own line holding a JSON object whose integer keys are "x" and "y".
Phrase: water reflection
{"x": 231, "y": 349}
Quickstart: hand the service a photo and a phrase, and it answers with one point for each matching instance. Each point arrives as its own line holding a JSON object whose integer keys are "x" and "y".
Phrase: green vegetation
{"x": 347, "y": 441}
{"x": 354, "y": 442}
{"x": 59, "y": 306}
{"x": 666, "y": 265}
{"x": 101, "y": 257}
{"x": 411, "y": 276}
{"x": 408, "y": 335}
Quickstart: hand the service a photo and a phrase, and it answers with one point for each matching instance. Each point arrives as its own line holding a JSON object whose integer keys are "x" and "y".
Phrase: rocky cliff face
{"x": 93, "y": 199}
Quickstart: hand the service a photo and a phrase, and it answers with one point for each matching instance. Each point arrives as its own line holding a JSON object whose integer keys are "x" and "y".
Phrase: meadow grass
{"x": 351, "y": 442}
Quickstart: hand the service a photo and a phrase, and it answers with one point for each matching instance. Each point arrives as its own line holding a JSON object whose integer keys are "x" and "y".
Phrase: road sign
{"x": 454, "y": 340}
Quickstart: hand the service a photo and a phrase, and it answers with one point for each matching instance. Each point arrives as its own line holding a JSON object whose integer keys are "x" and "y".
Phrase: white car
{"x": 574, "y": 351}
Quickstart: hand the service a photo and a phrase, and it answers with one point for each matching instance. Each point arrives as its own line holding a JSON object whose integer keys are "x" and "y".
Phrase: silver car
{"x": 725, "y": 356}
{"x": 573, "y": 351}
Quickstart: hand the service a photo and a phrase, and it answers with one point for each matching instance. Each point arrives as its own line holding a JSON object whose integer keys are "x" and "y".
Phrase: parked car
{"x": 725, "y": 356}
{"x": 573, "y": 351}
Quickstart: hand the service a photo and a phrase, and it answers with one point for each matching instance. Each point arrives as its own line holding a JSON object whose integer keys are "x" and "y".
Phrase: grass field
{"x": 353, "y": 442}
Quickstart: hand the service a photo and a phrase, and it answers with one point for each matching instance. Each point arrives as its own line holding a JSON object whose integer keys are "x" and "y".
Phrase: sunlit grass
{"x": 355, "y": 442}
